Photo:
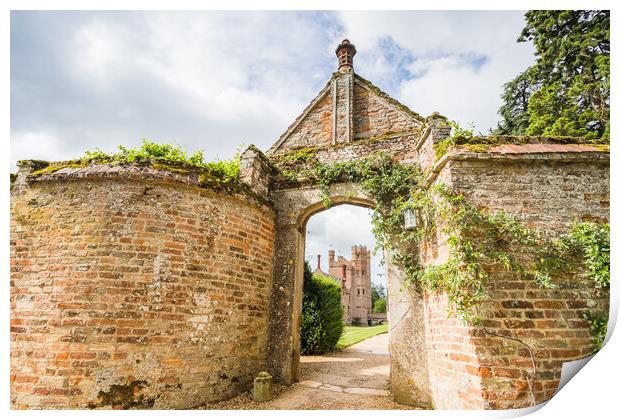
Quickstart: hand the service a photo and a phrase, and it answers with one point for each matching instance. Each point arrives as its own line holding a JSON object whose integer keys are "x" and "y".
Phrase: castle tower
{"x": 361, "y": 292}
{"x": 354, "y": 276}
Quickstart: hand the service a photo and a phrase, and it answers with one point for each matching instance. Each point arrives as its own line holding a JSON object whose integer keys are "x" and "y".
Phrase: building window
{"x": 358, "y": 291}
{"x": 363, "y": 291}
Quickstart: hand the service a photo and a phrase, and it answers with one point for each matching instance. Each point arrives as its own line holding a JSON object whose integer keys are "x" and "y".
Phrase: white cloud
{"x": 37, "y": 145}
{"x": 214, "y": 80}
{"x": 455, "y": 89}
{"x": 209, "y": 80}
{"x": 339, "y": 228}
{"x": 460, "y": 60}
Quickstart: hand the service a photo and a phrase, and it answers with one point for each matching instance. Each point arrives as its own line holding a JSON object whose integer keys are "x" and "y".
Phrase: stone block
{"x": 262, "y": 387}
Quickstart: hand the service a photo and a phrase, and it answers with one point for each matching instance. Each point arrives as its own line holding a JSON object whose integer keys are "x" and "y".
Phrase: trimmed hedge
{"x": 321, "y": 316}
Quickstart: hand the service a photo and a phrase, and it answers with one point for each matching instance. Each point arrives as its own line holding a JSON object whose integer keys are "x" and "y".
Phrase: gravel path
{"x": 354, "y": 378}
{"x": 379, "y": 344}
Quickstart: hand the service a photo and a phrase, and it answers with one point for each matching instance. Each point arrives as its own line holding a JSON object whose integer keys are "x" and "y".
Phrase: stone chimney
{"x": 331, "y": 255}
{"x": 318, "y": 262}
{"x": 345, "y": 52}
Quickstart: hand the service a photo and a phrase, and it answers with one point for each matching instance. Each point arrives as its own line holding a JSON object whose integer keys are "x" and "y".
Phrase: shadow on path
{"x": 356, "y": 378}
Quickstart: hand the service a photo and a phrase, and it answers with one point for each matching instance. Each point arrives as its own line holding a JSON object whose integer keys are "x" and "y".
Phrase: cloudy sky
{"x": 215, "y": 80}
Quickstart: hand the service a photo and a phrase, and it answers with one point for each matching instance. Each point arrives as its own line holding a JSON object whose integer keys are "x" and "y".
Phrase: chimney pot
{"x": 345, "y": 52}
{"x": 331, "y": 254}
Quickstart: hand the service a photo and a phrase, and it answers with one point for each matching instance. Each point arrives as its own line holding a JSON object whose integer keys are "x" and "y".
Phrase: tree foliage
{"x": 377, "y": 291}
{"x": 514, "y": 112}
{"x": 380, "y": 306}
{"x": 321, "y": 316}
{"x": 566, "y": 91}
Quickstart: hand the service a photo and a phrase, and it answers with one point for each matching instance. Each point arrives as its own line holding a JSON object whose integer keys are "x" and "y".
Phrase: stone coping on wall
{"x": 510, "y": 148}
{"x": 508, "y": 144}
{"x": 385, "y": 139}
{"x": 514, "y": 149}
{"x": 523, "y": 153}
{"x": 150, "y": 170}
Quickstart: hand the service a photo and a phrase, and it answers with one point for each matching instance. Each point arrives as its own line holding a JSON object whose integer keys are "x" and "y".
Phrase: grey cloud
{"x": 224, "y": 79}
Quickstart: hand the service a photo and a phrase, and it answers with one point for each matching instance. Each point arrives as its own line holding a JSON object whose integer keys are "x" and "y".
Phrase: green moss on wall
{"x": 54, "y": 167}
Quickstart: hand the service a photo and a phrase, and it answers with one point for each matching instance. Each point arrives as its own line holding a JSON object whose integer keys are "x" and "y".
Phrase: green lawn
{"x": 352, "y": 335}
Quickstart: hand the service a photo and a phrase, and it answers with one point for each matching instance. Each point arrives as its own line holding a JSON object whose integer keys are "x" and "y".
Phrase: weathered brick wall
{"x": 316, "y": 127}
{"x": 452, "y": 360}
{"x": 343, "y": 85}
{"x": 551, "y": 196}
{"x": 453, "y": 365}
{"x": 256, "y": 171}
{"x": 471, "y": 367}
{"x": 373, "y": 117}
{"x": 435, "y": 130}
{"x": 348, "y": 108}
{"x": 398, "y": 146}
{"x": 136, "y": 293}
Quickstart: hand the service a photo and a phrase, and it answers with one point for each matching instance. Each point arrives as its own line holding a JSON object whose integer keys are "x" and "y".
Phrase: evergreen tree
{"x": 514, "y": 111}
{"x": 567, "y": 88}
{"x": 321, "y": 315}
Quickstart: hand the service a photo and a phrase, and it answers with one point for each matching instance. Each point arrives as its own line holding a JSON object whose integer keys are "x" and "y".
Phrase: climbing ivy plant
{"x": 598, "y": 327}
{"x": 478, "y": 240}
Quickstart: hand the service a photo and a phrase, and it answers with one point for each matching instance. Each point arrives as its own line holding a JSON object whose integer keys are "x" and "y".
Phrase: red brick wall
{"x": 453, "y": 365}
{"x": 372, "y": 117}
{"x": 316, "y": 128}
{"x": 124, "y": 296}
{"x": 471, "y": 367}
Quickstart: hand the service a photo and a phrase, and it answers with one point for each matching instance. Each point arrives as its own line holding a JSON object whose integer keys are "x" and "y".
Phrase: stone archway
{"x": 302, "y": 221}
{"x": 409, "y": 373}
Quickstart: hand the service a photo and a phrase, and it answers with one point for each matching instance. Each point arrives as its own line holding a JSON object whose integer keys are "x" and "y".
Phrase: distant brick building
{"x": 354, "y": 277}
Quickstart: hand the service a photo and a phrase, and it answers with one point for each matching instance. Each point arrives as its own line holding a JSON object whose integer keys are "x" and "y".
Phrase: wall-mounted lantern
{"x": 411, "y": 221}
